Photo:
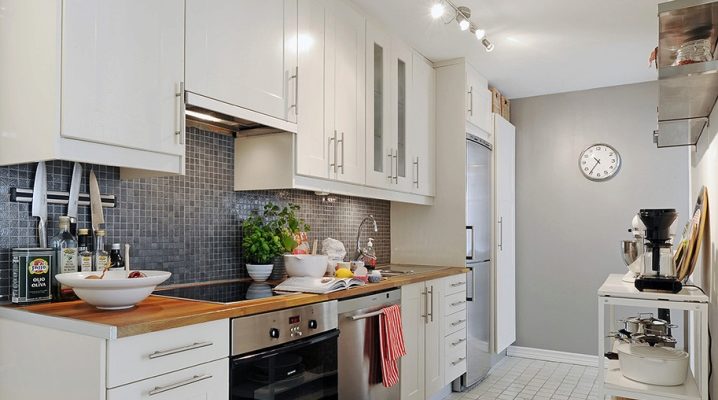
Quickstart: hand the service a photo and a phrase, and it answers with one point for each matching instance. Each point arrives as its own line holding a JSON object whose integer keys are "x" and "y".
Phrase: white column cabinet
{"x": 505, "y": 233}
{"x": 478, "y": 100}
{"x": 422, "y": 122}
{"x": 244, "y": 53}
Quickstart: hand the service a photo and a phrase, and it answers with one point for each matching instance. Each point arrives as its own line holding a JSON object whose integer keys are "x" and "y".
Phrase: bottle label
{"x": 68, "y": 260}
{"x": 102, "y": 262}
{"x": 86, "y": 263}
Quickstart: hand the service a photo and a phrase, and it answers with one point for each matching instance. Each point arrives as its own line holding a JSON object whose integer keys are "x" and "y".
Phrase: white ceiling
{"x": 542, "y": 46}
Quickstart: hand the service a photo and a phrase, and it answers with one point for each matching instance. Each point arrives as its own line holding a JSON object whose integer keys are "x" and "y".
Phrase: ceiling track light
{"x": 462, "y": 16}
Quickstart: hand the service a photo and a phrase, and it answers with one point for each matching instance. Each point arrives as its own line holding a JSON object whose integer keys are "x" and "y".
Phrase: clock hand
{"x": 594, "y": 167}
{"x": 597, "y": 160}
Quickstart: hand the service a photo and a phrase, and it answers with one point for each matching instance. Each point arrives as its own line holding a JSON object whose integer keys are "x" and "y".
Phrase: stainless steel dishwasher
{"x": 359, "y": 359}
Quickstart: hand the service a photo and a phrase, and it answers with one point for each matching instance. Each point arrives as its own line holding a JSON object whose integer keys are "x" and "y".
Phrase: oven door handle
{"x": 287, "y": 347}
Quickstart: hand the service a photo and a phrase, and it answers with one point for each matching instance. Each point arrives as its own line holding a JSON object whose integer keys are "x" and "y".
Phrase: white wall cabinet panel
{"x": 122, "y": 63}
{"x": 505, "y": 233}
{"x": 245, "y": 53}
{"x": 478, "y": 100}
{"x": 422, "y": 127}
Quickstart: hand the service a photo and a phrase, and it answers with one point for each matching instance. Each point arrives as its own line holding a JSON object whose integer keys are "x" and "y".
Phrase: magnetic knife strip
{"x": 25, "y": 196}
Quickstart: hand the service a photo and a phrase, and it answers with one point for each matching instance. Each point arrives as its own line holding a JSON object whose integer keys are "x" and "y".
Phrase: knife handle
{"x": 42, "y": 233}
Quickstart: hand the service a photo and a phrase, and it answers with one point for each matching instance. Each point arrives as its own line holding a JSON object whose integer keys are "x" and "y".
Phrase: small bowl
{"x": 115, "y": 291}
{"x": 259, "y": 272}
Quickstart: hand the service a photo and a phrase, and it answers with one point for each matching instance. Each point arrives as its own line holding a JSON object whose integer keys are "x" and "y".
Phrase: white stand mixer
{"x": 632, "y": 250}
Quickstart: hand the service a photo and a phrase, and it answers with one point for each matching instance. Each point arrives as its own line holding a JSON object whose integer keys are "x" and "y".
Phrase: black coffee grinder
{"x": 659, "y": 270}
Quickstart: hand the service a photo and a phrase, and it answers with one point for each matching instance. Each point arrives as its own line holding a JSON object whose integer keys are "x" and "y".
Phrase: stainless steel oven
{"x": 286, "y": 354}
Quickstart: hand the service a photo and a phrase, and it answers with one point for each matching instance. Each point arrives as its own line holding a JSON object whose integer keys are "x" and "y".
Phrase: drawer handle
{"x": 456, "y": 303}
{"x": 462, "y": 283}
{"x": 458, "y": 322}
{"x": 458, "y": 342}
{"x": 194, "y": 379}
{"x": 163, "y": 353}
{"x": 453, "y": 363}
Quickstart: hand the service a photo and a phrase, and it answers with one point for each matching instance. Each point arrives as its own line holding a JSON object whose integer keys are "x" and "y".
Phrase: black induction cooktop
{"x": 222, "y": 292}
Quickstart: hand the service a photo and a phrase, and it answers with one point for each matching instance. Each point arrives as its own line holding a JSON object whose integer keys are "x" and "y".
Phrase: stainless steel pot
{"x": 646, "y": 324}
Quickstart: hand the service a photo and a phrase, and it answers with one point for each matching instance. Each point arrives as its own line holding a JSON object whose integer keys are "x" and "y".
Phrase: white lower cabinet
{"x": 436, "y": 355}
{"x": 209, "y": 381}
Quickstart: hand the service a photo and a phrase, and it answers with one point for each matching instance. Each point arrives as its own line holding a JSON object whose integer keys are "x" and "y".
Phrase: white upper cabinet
{"x": 122, "y": 64}
{"x": 379, "y": 148}
{"x": 244, "y": 53}
{"x": 401, "y": 87}
{"x": 422, "y": 127}
{"x": 478, "y": 100}
{"x": 93, "y": 83}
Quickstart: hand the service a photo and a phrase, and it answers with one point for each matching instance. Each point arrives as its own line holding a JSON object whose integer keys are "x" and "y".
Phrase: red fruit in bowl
{"x": 136, "y": 274}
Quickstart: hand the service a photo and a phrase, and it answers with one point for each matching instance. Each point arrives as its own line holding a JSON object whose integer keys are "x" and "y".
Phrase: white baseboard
{"x": 553, "y": 355}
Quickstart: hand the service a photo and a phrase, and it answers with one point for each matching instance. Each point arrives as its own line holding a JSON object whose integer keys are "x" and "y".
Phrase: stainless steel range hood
{"x": 687, "y": 93}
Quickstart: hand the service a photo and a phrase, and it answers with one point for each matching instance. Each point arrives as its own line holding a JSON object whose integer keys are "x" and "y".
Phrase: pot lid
{"x": 645, "y": 351}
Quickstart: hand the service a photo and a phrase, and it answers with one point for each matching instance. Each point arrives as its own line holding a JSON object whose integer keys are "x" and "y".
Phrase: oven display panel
{"x": 294, "y": 319}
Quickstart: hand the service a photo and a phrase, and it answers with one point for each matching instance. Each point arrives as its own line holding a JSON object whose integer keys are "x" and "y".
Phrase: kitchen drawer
{"x": 455, "y": 346}
{"x": 454, "y": 303}
{"x": 138, "y": 357}
{"x": 455, "y": 284}
{"x": 454, "y": 369}
{"x": 455, "y": 322}
{"x": 209, "y": 381}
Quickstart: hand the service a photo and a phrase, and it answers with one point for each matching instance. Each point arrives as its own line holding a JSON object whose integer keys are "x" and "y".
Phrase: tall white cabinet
{"x": 99, "y": 84}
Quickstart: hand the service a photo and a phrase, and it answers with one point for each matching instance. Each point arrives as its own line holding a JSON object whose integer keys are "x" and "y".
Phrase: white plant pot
{"x": 260, "y": 272}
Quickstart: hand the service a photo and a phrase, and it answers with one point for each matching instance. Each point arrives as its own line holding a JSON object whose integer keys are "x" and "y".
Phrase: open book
{"x": 316, "y": 285}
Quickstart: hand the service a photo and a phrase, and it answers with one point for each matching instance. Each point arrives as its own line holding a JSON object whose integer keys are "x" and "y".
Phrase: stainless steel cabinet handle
{"x": 416, "y": 175}
{"x": 295, "y": 106}
{"x": 193, "y": 346}
{"x": 432, "y": 303}
{"x": 456, "y": 303}
{"x": 333, "y": 164}
{"x": 458, "y": 342}
{"x": 396, "y": 170}
{"x": 501, "y": 233}
{"x": 462, "y": 283}
{"x": 194, "y": 379}
{"x": 367, "y": 315}
{"x": 342, "y": 164}
{"x": 470, "y": 242}
{"x": 425, "y": 315}
{"x": 458, "y": 322}
{"x": 391, "y": 165}
{"x": 471, "y": 100}
{"x": 458, "y": 361}
{"x": 180, "y": 112}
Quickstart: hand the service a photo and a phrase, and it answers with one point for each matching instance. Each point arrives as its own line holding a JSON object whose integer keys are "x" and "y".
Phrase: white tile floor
{"x": 524, "y": 379}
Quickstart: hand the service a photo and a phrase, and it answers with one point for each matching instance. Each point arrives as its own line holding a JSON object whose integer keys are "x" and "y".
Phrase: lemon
{"x": 344, "y": 273}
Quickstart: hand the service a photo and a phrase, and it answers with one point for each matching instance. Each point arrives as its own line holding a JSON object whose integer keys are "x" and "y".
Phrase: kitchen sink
{"x": 390, "y": 271}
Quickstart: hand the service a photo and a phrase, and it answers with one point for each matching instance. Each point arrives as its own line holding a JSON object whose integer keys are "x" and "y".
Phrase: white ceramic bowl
{"x": 115, "y": 291}
{"x": 305, "y": 265}
{"x": 260, "y": 272}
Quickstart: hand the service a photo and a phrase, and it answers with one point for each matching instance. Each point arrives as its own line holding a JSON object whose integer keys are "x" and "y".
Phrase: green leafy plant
{"x": 271, "y": 233}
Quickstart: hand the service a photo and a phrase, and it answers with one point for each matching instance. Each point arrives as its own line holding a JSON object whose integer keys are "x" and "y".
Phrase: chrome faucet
{"x": 359, "y": 252}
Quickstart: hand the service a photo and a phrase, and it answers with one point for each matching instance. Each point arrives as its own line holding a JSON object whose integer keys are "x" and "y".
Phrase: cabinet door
{"x": 401, "y": 85}
{"x": 505, "y": 264}
{"x": 413, "y": 320}
{"x": 122, "y": 63}
{"x": 475, "y": 87}
{"x": 434, "y": 338}
{"x": 244, "y": 53}
{"x": 379, "y": 137}
{"x": 345, "y": 79}
{"x": 314, "y": 151}
{"x": 422, "y": 129}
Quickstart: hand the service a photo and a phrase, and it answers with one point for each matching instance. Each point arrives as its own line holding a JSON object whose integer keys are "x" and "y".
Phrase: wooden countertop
{"x": 157, "y": 312}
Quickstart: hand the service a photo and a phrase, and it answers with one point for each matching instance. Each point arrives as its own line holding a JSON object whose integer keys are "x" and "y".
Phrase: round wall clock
{"x": 599, "y": 162}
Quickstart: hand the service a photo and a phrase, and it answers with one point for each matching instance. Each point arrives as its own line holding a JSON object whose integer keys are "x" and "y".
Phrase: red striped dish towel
{"x": 391, "y": 344}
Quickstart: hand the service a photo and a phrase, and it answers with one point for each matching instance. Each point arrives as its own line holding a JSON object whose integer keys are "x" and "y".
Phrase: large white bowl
{"x": 305, "y": 265}
{"x": 115, "y": 291}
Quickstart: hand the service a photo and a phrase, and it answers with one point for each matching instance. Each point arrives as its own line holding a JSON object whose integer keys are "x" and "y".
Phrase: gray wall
{"x": 568, "y": 227}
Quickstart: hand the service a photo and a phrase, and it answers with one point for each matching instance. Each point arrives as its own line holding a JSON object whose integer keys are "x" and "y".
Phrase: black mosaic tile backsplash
{"x": 189, "y": 225}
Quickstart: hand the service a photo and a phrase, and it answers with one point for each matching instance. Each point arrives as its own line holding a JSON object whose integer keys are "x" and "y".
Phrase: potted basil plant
{"x": 261, "y": 245}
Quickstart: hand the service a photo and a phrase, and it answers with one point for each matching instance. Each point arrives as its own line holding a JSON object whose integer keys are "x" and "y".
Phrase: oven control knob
{"x": 274, "y": 333}
{"x": 313, "y": 324}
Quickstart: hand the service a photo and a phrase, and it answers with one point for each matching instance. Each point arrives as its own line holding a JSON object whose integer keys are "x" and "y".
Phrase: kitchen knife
{"x": 98, "y": 219}
{"x": 74, "y": 191}
{"x": 39, "y": 202}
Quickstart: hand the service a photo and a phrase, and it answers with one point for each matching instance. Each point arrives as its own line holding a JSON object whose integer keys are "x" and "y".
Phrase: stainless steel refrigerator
{"x": 478, "y": 261}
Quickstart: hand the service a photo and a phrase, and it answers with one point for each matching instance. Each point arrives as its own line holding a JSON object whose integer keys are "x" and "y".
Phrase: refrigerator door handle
{"x": 470, "y": 243}
{"x": 470, "y": 284}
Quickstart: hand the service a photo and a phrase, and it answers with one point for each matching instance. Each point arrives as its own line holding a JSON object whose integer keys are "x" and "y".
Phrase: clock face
{"x": 599, "y": 162}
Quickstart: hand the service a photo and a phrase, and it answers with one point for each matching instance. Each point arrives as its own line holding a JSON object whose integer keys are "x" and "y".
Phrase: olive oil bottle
{"x": 65, "y": 246}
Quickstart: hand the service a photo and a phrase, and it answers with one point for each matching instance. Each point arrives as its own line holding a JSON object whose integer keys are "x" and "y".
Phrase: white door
{"x": 314, "y": 152}
{"x": 379, "y": 136}
{"x": 434, "y": 340}
{"x": 122, "y": 63}
{"x": 401, "y": 86}
{"x": 476, "y": 111}
{"x": 505, "y": 234}
{"x": 422, "y": 137}
{"x": 346, "y": 82}
{"x": 244, "y": 53}
{"x": 413, "y": 321}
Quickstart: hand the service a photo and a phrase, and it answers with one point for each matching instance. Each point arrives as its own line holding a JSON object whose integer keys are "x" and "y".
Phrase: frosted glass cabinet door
{"x": 401, "y": 90}
{"x": 244, "y": 53}
{"x": 122, "y": 63}
{"x": 379, "y": 146}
